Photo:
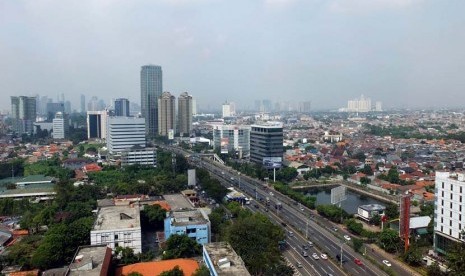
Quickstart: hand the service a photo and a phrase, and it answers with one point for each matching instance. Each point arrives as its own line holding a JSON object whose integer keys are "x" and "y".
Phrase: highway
{"x": 302, "y": 222}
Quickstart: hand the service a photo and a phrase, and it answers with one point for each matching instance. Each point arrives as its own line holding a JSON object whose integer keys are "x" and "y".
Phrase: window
{"x": 443, "y": 185}
{"x": 116, "y": 237}
{"x": 116, "y": 244}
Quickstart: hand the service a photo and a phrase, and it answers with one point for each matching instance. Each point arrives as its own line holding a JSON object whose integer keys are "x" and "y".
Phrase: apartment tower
{"x": 151, "y": 86}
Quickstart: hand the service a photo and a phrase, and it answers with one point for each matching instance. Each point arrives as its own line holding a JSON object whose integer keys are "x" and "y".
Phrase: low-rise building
{"x": 118, "y": 226}
{"x": 194, "y": 223}
{"x": 91, "y": 260}
{"x": 140, "y": 156}
{"x": 221, "y": 259}
{"x": 366, "y": 212}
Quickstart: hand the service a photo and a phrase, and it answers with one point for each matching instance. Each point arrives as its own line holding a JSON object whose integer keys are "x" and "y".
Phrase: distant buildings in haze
{"x": 23, "y": 113}
{"x": 166, "y": 113}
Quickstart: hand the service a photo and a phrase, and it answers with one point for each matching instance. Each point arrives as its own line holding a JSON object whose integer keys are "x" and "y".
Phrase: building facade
{"x": 185, "y": 113}
{"x": 266, "y": 140}
{"x": 166, "y": 113}
{"x": 140, "y": 156}
{"x": 151, "y": 85}
{"x": 97, "y": 124}
{"x": 23, "y": 113}
{"x": 124, "y": 133}
{"x": 194, "y": 223}
{"x": 449, "y": 207}
{"x": 122, "y": 107}
{"x": 118, "y": 226}
{"x": 228, "y": 109}
{"x": 359, "y": 105}
{"x": 229, "y": 138}
{"x": 60, "y": 126}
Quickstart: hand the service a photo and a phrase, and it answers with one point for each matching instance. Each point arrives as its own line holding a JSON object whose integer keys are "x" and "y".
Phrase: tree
{"x": 354, "y": 226}
{"x": 389, "y": 240}
{"x": 153, "y": 216}
{"x": 181, "y": 246}
{"x": 255, "y": 239}
{"x": 393, "y": 175}
{"x": 434, "y": 270}
{"x": 357, "y": 244}
{"x": 176, "y": 271}
{"x": 375, "y": 219}
{"x": 367, "y": 170}
{"x": 125, "y": 255}
{"x": 413, "y": 256}
{"x": 455, "y": 259}
{"x": 365, "y": 180}
{"x": 202, "y": 271}
{"x": 392, "y": 211}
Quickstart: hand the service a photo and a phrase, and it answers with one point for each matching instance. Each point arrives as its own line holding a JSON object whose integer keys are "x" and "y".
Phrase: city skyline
{"x": 405, "y": 53}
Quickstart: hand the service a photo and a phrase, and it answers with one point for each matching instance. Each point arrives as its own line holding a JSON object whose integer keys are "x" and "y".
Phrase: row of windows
{"x": 452, "y": 188}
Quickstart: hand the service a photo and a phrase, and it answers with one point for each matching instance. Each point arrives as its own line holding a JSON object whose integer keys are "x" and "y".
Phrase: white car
{"x": 324, "y": 256}
{"x": 387, "y": 263}
{"x": 315, "y": 256}
{"x": 347, "y": 237}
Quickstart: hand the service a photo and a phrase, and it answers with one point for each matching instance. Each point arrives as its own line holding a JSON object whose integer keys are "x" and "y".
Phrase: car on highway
{"x": 299, "y": 264}
{"x": 358, "y": 262}
{"x": 256, "y": 206}
{"x": 315, "y": 256}
{"x": 302, "y": 209}
{"x": 305, "y": 247}
{"x": 324, "y": 256}
{"x": 310, "y": 243}
{"x": 347, "y": 237}
{"x": 283, "y": 224}
{"x": 387, "y": 263}
{"x": 291, "y": 234}
{"x": 304, "y": 253}
{"x": 266, "y": 209}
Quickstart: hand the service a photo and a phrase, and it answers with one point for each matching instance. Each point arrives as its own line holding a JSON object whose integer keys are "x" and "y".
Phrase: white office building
{"x": 124, "y": 133}
{"x": 118, "y": 226}
{"x": 140, "y": 156}
{"x": 232, "y": 138}
{"x": 60, "y": 126}
{"x": 449, "y": 207}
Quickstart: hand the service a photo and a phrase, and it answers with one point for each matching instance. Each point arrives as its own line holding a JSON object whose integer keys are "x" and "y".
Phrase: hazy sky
{"x": 408, "y": 53}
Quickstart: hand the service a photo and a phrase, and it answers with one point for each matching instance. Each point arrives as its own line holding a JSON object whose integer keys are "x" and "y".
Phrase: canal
{"x": 350, "y": 205}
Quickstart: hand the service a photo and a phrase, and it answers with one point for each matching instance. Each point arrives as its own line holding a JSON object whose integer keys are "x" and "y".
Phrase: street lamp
{"x": 239, "y": 180}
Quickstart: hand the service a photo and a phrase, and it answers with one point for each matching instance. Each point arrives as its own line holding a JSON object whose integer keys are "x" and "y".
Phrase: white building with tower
{"x": 60, "y": 126}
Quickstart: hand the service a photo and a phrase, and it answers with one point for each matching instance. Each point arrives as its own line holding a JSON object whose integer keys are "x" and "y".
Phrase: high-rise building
{"x": 194, "y": 106}
{"x": 379, "y": 106}
{"x": 60, "y": 126}
{"x": 151, "y": 86}
{"x": 235, "y": 138}
{"x": 123, "y": 133}
{"x": 122, "y": 107}
{"x": 166, "y": 113}
{"x": 185, "y": 104}
{"x": 266, "y": 141}
{"x": 97, "y": 124}
{"x": 23, "y": 113}
{"x": 359, "y": 105}
{"x": 67, "y": 107}
{"x": 228, "y": 109}
{"x": 449, "y": 205}
{"x": 83, "y": 104}
{"x": 304, "y": 107}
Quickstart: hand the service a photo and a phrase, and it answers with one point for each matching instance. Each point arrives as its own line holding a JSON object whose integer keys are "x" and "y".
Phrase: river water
{"x": 350, "y": 205}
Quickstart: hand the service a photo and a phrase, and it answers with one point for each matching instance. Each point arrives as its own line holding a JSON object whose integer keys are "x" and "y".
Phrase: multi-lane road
{"x": 302, "y": 226}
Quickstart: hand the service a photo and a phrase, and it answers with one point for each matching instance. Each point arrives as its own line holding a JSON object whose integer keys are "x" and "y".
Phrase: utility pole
{"x": 306, "y": 230}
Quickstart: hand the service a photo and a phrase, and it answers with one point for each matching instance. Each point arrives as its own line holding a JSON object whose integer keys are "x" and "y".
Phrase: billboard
{"x": 338, "y": 194}
{"x": 170, "y": 134}
{"x": 272, "y": 162}
{"x": 191, "y": 178}
{"x": 224, "y": 145}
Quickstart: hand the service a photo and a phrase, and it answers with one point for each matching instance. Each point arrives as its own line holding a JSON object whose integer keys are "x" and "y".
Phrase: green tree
{"x": 389, "y": 240}
{"x": 393, "y": 175}
{"x": 153, "y": 216}
{"x": 434, "y": 270}
{"x": 176, "y": 271}
{"x": 354, "y": 226}
{"x": 125, "y": 255}
{"x": 202, "y": 271}
{"x": 455, "y": 259}
{"x": 367, "y": 170}
{"x": 392, "y": 211}
{"x": 181, "y": 246}
{"x": 357, "y": 244}
{"x": 365, "y": 180}
{"x": 413, "y": 256}
{"x": 375, "y": 220}
{"x": 255, "y": 239}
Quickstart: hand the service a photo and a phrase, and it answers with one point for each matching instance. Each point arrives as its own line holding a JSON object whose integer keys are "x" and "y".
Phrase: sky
{"x": 405, "y": 53}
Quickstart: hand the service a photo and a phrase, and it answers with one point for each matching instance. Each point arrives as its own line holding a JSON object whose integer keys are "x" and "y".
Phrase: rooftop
{"x": 188, "y": 217}
{"x": 117, "y": 217}
{"x": 188, "y": 266}
{"x": 372, "y": 207}
{"x": 177, "y": 202}
{"x": 90, "y": 261}
{"x": 221, "y": 253}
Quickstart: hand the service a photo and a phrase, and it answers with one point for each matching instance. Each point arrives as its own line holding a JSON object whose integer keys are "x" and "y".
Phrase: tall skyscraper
{"x": 166, "y": 113}
{"x": 151, "y": 87}
{"x": 23, "y": 113}
{"x": 83, "y": 104}
{"x": 122, "y": 107}
{"x": 53, "y": 108}
{"x": 185, "y": 105}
